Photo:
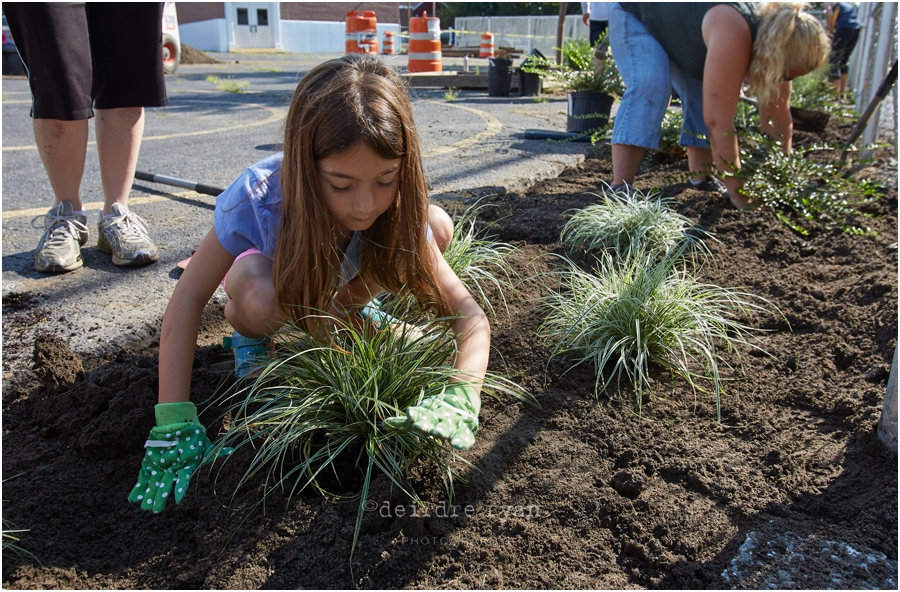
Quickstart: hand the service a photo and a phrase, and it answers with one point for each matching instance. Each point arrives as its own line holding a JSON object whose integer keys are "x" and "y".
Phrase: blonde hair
{"x": 787, "y": 39}
{"x": 338, "y": 104}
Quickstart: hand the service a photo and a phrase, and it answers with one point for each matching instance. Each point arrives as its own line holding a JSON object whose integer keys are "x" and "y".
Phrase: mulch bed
{"x": 791, "y": 490}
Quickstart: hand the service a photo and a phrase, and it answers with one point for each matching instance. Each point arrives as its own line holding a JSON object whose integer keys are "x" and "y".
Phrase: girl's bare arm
{"x": 472, "y": 330}
{"x": 181, "y": 322}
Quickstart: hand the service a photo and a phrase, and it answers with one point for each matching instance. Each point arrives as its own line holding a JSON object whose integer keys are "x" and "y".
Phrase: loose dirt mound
{"x": 191, "y": 55}
{"x": 791, "y": 490}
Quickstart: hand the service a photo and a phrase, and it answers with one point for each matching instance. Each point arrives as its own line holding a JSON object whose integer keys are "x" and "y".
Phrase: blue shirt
{"x": 248, "y": 215}
{"x": 846, "y": 16}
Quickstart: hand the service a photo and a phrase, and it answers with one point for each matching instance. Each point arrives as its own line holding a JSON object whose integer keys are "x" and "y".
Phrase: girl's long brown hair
{"x": 356, "y": 98}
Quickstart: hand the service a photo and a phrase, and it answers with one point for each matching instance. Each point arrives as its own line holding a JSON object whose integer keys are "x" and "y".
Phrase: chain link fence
{"x": 871, "y": 60}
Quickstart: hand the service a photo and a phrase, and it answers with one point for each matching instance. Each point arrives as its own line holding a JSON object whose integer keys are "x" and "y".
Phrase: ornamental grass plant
{"x": 638, "y": 224}
{"x": 643, "y": 311}
{"x": 317, "y": 409}
{"x": 478, "y": 260}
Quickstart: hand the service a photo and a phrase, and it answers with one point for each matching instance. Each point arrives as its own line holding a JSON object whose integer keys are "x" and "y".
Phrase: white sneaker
{"x": 65, "y": 232}
{"x": 123, "y": 234}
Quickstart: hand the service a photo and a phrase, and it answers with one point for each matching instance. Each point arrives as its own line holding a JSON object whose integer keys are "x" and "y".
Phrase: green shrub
{"x": 671, "y": 133}
{"x": 802, "y": 192}
{"x": 814, "y": 92}
{"x": 577, "y": 71}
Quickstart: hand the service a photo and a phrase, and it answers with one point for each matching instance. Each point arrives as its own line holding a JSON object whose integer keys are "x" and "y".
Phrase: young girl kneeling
{"x": 340, "y": 216}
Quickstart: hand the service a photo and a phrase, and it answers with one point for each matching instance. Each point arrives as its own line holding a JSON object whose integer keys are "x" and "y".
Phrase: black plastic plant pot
{"x": 499, "y": 77}
{"x": 588, "y": 110}
{"x": 806, "y": 120}
{"x": 530, "y": 85}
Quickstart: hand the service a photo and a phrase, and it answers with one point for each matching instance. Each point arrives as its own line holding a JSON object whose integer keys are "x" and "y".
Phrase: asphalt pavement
{"x": 220, "y": 119}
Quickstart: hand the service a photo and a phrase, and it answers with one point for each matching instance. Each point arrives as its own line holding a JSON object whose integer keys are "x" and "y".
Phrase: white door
{"x": 253, "y": 25}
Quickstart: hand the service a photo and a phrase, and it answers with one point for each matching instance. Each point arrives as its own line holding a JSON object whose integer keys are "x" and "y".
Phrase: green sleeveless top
{"x": 677, "y": 27}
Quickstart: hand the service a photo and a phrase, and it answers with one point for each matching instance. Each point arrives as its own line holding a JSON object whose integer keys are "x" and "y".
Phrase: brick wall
{"x": 192, "y": 12}
{"x": 385, "y": 12}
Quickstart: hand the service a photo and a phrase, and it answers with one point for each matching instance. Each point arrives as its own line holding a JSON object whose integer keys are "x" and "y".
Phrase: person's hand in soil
{"x": 452, "y": 415}
{"x": 176, "y": 447}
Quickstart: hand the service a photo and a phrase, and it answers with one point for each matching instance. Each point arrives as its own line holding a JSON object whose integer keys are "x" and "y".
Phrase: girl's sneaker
{"x": 249, "y": 353}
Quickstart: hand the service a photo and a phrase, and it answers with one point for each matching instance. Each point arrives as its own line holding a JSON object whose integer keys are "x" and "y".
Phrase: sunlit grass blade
{"x": 478, "y": 260}
{"x": 647, "y": 310}
{"x": 10, "y": 540}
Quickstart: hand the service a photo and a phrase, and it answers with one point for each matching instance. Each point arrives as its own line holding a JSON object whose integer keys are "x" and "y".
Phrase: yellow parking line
{"x": 493, "y": 128}
{"x": 98, "y": 205}
{"x": 276, "y": 115}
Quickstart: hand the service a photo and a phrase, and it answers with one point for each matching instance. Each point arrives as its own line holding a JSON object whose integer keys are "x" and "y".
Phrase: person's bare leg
{"x": 842, "y": 87}
{"x": 251, "y": 308}
{"x": 626, "y": 160}
{"x": 700, "y": 163}
{"x": 441, "y": 226}
{"x": 119, "y": 133}
{"x": 63, "y": 147}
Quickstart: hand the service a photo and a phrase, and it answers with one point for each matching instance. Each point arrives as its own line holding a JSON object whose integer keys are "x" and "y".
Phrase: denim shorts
{"x": 649, "y": 76}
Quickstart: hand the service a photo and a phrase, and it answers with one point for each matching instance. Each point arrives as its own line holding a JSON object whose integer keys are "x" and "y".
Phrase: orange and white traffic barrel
{"x": 425, "y": 44}
{"x": 388, "y": 48}
{"x": 362, "y": 33}
{"x": 487, "y": 45}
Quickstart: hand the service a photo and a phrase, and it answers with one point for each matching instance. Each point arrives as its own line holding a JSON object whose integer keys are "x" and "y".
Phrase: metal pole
{"x": 559, "y": 31}
{"x": 164, "y": 180}
{"x": 882, "y": 55}
{"x": 863, "y": 89}
{"x": 883, "y": 91}
{"x": 855, "y": 64}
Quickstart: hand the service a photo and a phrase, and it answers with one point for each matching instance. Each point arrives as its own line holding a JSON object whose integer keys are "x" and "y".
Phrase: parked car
{"x": 12, "y": 63}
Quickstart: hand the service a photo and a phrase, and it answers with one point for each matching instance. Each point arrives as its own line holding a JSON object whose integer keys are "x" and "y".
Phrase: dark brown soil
{"x": 791, "y": 490}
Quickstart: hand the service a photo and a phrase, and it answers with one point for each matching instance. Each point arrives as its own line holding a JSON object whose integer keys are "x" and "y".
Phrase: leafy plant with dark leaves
{"x": 801, "y": 191}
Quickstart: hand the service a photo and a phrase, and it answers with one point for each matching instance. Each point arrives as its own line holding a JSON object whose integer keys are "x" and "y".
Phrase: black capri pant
{"x": 842, "y": 45}
{"x": 81, "y": 56}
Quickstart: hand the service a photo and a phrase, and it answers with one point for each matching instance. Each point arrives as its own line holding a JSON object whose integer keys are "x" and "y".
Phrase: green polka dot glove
{"x": 452, "y": 415}
{"x": 175, "y": 448}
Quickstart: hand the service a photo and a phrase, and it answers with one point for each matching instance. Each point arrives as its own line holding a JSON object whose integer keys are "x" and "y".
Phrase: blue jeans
{"x": 649, "y": 76}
